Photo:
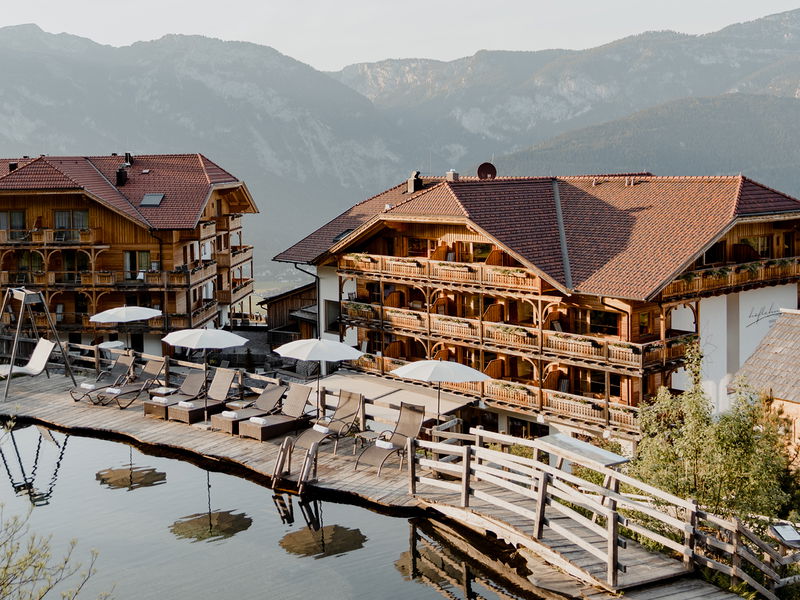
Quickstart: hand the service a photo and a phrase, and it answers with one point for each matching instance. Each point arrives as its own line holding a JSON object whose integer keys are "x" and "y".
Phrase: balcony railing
{"x": 193, "y": 274}
{"x": 51, "y": 237}
{"x": 237, "y": 256}
{"x": 705, "y": 281}
{"x": 205, "y": 310}
{"x": 519, "y": 337}
{"x": 229, "y": 222}
{"x": 477, "y": 274}
{"x": 240, "y": 290}
{"x": 528, "y": 397}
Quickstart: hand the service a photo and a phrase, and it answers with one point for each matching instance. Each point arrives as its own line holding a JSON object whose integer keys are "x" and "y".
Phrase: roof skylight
{"x": 152, "y": 200}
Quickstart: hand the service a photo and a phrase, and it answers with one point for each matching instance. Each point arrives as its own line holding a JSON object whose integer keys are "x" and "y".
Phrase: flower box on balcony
{"x": 449, "y": 266}
{"x": 519, "y": 273}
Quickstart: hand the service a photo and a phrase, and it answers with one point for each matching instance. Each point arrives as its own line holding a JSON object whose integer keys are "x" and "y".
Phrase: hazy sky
{"x": 329, "y": 35}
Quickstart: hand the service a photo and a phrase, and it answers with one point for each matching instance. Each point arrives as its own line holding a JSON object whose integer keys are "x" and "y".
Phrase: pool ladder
{"x": 283, "y": 464}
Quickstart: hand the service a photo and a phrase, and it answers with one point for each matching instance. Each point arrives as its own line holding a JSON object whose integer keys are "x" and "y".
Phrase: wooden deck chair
{"x": 212, "y": 402}
{"x": 116, "y": 375}
{"x": 36, "y": 363}
{"x": 334, "y": 427}
{"x": 388, "y": 443}
{"x": 128, "y": 393}
{"x": 292, "y": 416}
{"x": 266, "y": 403}
{"x": 190, "y": 389}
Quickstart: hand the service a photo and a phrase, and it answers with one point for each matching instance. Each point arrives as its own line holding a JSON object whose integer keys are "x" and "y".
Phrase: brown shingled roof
{"x": 626, "y": 236}
{"x": 186, "y": 180}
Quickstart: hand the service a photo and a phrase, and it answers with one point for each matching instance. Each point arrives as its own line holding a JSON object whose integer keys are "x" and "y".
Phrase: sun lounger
{"x": 36, "y": 363}
{"x": 291, "y": 418}
{"x": 387, "y": 443}
{"x": 117, "y": 375}
{"x": 192, "y": 411}
{"x": 334, "y": 427}
{"x": 190, "y": 389}
{"x": 229, "y": 420}
{"x": 128, "y": 393}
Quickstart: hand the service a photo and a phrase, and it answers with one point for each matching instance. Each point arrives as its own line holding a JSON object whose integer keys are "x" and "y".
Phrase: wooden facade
{"x": 414, "y": 291}
{"x": 87, "y": 257}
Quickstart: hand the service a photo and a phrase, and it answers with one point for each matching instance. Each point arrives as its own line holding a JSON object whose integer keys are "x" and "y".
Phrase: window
{"x": 597, "y": 384}
{"x": 715, "y": 254}
{"x": 761, "y": 244}
{"x": 13, "y": 221}
{"x": 151, "y": 200}
{"x": 68, "y": 224}
{"x": 597, "y": 321}
{"x": 646, "y": 323}
{"x": 418, "y": 247}
{"x": 135, "y": 263}
{"x": 788, "y": 244}
{"x": 331, "y": 316}
{"x": 480, "y": 252}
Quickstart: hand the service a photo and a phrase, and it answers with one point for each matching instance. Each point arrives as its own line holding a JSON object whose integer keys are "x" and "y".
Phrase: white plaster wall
{"x": 731, "y": 327}
{"x": 329, "y": 290}
{"x": 758, "y": 310}
{"x": 152, "y": 344}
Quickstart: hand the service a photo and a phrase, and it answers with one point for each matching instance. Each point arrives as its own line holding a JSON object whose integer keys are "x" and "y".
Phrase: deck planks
{"x": 46, "y": 401}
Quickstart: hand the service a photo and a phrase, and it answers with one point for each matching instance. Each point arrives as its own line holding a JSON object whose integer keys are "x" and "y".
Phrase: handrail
{"x": 700, "y": 538}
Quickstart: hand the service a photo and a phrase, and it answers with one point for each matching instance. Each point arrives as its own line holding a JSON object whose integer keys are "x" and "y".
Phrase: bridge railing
{"x": 564, "y": 484}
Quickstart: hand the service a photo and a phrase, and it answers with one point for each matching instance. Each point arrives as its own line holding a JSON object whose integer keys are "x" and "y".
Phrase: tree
{"x": 28, "y": 570}
{"x": 735, "y": 464}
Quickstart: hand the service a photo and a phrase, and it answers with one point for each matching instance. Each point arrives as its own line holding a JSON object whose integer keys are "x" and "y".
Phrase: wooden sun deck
{"x": 46, "y": 401}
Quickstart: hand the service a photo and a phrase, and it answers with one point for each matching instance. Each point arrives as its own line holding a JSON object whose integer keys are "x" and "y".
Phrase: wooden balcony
{"x": 528, "y": 398}
{"x": 519, "y": 338}
{"x": 237, "y": 256}
{"x": 192, "y": 274}
{"x": 720, "y": 280}
{"x": 240, "y": 290}
{"x": 422, "y": 270}
{"x": 228, "y": 222}
{"x": 205, "y": 310}
{"x": 51, "y": 237}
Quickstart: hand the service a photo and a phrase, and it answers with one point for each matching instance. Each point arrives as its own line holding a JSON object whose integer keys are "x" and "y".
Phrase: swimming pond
{"x": 165, "y": 528}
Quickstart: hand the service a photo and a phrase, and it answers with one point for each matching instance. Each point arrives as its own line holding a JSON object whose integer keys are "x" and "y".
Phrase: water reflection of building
{"x": 28, "y": 475}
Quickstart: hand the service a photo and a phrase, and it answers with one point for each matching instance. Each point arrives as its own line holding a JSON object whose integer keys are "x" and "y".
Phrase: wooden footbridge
{"x": 553, "y": 499}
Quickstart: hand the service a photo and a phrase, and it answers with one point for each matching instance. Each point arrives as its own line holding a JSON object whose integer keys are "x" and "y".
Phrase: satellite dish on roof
{"x": 487, "y": 171}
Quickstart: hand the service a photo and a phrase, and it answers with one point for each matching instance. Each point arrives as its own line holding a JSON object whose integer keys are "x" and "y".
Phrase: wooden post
{"x": 362, "y": 413}
{"x": 97, "y": 360}
{"x": 541, "y": 504}
{"x": 411, "y": 451}
{"x": 166, "y": 371}
{"x": 465, "y": 476}
{"x": 612, "y": 545}
{"x": 689, "y": 537}
{"x": 736, "y": 558}
{"x": 606, "y": 410}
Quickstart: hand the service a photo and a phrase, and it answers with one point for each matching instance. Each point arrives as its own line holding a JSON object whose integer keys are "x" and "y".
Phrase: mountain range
{"x": 311, "y": 143}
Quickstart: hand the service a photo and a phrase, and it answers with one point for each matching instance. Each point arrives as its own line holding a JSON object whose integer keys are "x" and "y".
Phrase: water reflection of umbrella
{"x": 130, "y": 477}
{"x": 330, "y": 540}
{"x": 210, "y": 526}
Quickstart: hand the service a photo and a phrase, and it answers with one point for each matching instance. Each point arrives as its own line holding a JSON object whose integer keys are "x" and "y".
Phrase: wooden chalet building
{"x": 163, "y": 231}
{"x": 577, "y": 295}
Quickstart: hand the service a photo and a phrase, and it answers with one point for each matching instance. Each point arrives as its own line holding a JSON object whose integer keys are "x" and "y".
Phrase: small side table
{"x": 362, "y": 438}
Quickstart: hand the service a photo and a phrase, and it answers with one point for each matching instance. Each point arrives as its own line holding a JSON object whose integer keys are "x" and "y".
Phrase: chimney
{"x": 12, "y": 166}
{"x": 451, "y": 175}
{"x": 122, "y": 176}
{"x": 414, "y": 182}
{"x": 129, "y": 158}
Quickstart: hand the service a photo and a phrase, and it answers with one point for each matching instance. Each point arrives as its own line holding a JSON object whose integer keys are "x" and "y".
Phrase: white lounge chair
{"x": 36, "y": 363}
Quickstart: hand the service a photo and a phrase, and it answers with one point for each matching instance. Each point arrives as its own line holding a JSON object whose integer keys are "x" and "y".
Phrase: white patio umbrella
{"x": 125, "y": 314}
{"x": 319, "y": 350}
{"x": 439, "y": 371}
{"x": 204, "y": 339}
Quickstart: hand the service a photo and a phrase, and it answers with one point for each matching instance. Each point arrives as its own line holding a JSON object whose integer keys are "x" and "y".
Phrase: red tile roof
{"x": 186, "y": 180}
{"x": 626, "y": 235}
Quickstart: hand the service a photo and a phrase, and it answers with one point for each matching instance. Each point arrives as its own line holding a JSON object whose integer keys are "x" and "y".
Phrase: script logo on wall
{"x": 759, "y": 313}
